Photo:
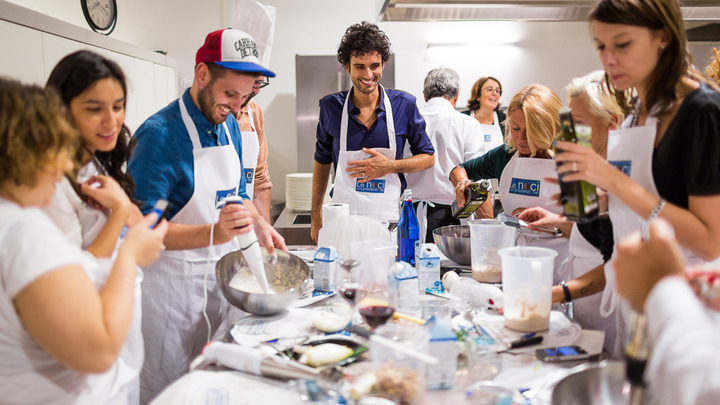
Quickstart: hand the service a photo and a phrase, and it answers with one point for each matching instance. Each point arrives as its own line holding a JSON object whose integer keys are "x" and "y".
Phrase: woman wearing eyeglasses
{"x": 484, "y": 106}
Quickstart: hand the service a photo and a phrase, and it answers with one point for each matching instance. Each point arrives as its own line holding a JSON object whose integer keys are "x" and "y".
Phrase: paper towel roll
{"x": 332, "y": 211}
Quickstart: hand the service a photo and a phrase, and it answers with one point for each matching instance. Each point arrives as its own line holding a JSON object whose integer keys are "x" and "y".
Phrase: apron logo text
{"x": 622, "y": 165}
{"x": 525, "y": 187}
{"x": 372, "y": 186}
{"x": 488, "y": 138}
{"x": 222, "y": 194}
{"x": 249, "y": 175}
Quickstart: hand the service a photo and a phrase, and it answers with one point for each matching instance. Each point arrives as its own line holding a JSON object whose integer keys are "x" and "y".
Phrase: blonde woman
{"x": 522, "y": 166}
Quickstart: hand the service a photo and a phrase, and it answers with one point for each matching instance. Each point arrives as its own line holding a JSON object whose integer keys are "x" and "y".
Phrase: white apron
{"x": 522, "y": 185}
{"x": 583, "y": 257}
{"x": 630, "y": 150}
{"x": 250, "y": 151}
{"x": 492, "y": 134}
{"x": 377, "y": 199}
{"x": 174, "y": 327}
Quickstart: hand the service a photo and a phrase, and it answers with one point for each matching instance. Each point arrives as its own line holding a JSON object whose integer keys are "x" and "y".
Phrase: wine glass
{"x": 379, "y": 304}
{"x": 348, "y": 284}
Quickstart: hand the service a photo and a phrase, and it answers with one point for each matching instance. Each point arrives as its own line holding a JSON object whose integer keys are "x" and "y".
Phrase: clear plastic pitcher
{"x": 487, "y": 237}
{"x": 527, "y": 279}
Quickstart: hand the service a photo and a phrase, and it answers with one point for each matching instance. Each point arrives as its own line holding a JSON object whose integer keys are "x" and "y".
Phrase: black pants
{"x": 437, "y": 216}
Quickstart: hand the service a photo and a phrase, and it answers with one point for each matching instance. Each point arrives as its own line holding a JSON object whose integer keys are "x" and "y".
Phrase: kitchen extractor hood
{"x": 518, "y": 10}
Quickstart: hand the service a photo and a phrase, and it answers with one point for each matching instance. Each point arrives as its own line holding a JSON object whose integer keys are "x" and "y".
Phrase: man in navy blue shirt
{"x": 189, "y": 153}
{"x": 363, "y": 133}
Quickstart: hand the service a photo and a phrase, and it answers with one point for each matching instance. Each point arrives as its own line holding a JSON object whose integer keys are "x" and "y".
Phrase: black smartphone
{"x": 562, "y": 353}
{"x": 160, "y": 208}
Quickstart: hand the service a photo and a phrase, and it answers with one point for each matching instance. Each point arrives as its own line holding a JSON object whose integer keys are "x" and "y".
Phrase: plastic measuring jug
{"x": 527, "y": 279}
{"x": 487, "y": 237}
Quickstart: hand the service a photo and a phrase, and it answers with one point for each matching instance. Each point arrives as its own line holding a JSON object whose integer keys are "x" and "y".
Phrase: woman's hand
{"x": 144, "y": 243}
{"x": 538, "y": 217}
{"x": 108, "y": 193}
{"x": 577, "y": 162}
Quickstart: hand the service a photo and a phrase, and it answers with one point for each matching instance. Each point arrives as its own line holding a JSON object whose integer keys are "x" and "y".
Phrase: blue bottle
{"x": 408, "y": 230}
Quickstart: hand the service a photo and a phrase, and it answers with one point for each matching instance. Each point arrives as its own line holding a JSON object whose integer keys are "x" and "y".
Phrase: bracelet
{"x": 566, "y": 293}
{"x": 656, "y": 210}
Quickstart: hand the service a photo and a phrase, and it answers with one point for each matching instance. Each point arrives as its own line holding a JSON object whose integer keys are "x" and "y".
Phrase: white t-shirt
{"x": 80, "y": 223}
{"x": 31, "y": 246}
{"x": 456, "y": 138}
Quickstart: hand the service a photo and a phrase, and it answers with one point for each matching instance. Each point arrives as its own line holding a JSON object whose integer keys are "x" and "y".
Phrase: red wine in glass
{"x": 376, "y": 315}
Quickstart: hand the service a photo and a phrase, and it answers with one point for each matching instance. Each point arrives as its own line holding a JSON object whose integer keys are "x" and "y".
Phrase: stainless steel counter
{"x": 294, "y": 227}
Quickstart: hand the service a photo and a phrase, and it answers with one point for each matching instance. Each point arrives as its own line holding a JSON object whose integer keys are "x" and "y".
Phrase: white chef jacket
{"x": 456, "y": 138}
{"x": 684, "y": 364}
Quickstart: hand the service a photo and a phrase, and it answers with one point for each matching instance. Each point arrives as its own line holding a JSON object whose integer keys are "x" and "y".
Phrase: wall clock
{"x": 101, "y": 15}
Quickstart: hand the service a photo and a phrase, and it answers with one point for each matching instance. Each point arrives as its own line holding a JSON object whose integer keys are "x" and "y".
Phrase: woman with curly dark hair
{"x": 363, "y": 132}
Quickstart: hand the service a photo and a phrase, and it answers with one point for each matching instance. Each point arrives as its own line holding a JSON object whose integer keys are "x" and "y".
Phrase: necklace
{"x": 636, "y": 113}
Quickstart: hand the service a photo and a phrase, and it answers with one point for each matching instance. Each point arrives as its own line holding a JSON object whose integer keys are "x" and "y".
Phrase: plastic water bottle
{"x": 408, "y": 230}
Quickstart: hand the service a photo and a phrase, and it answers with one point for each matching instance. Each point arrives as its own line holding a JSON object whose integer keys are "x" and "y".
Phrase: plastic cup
{"x": 487, "y": 237}
{"x": 527, "y": 279}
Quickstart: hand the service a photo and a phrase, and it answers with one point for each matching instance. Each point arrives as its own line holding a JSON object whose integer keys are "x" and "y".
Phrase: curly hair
{"x": 363, "y": 38}
{"x": 473, "y": 104}
{"x": 72, "y": 76}
{"x": 33, "y": 131}
{"x": 541, "y": 108}
{"x": 713, "y": 69}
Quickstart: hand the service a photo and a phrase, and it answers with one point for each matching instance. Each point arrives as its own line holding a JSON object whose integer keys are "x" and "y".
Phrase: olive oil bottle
{"x": 579, "y": 198}
{"x": 476, "y": 193}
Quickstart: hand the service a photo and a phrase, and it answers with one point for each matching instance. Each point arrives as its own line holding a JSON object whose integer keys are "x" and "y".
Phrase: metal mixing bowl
{"x": 454, "y": 242}
{"x": 287, "y": 275}
{"x": 594, "y": 384}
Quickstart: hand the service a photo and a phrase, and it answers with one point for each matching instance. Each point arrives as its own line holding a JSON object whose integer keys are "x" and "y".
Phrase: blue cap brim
{"x": 246, "y": 67}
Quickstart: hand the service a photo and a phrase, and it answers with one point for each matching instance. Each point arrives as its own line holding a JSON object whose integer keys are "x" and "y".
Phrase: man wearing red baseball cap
{"x": 190, "y": 154}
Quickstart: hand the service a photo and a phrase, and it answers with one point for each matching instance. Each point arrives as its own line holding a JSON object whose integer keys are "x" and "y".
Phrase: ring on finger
{"x": 574, "y": 166}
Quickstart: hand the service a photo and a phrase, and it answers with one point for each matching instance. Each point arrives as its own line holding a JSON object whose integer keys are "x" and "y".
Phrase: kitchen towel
{"x": 334, "y": 210}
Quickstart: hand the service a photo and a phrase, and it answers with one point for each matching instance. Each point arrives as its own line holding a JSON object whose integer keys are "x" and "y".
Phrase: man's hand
{"x": 234, "y": 219}
{"x": 376, "y": 166}
{"x": 640, "y": 265}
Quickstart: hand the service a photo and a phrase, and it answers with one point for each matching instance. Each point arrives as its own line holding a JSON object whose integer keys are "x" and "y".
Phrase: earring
{"x": 662, "y": 47}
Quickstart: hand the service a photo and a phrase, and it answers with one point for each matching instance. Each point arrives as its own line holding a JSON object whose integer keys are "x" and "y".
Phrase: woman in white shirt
{"x": 56, "y": 329}
{"x": 93, "y": 205}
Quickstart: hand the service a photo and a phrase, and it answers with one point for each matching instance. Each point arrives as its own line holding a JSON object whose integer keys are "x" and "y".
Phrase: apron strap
{"x": 421, "y": 214}
{"x": 389, "y": 120}
{"x": 252, "y": 121}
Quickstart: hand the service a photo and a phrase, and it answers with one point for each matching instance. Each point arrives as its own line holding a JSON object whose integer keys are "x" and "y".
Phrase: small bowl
{"x": 454, "y": 242}
{"x": 287, "y": 274}
{"x": 331, "y": 318}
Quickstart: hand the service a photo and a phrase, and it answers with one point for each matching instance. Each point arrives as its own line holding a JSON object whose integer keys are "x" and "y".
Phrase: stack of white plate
{"x": 298, "y": 192}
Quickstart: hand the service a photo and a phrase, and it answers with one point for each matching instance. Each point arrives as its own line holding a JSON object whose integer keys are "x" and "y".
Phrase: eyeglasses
{"x": 493, "y": 90}
{"x": 259, "y": 84}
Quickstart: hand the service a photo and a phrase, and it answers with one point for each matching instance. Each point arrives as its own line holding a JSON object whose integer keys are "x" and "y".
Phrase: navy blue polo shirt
{"x": 409, "y": 127}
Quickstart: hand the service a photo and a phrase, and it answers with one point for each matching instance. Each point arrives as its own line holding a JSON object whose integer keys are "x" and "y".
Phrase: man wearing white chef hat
{"x": 190, "y": 154}
{"x": 456, "y": 138}
{"x": 363, "y": 132}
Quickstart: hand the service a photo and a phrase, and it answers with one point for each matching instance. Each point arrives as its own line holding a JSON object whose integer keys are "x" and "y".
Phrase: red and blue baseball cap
{"x": 232, "y": 49}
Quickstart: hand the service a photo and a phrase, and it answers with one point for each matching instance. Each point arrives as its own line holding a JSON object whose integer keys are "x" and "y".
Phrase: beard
{"x": 207, "y": 105}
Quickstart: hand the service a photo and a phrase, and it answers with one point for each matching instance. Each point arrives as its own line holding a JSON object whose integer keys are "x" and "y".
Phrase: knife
{"x": 519, "y": 223}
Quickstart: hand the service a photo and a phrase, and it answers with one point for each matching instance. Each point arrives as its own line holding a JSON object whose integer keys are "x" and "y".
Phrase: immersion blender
{"x": 250, "y": 248}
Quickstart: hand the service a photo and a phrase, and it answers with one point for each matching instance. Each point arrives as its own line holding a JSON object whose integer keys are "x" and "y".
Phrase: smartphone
{"x": 562, "y": 353}
{"x": 160, "y": 208}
